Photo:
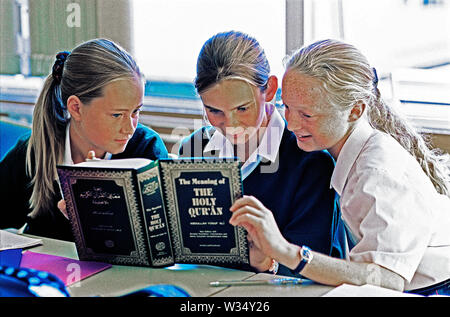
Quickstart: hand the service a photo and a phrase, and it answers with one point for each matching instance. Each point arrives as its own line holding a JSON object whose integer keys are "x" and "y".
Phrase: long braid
{"x": 433, "y": 161}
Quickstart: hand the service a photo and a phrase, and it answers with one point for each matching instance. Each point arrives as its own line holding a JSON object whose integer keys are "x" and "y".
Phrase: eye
{"x": 213, "y": 111}
{"x": 306, "y": 115}
{"x": 116, "y": 115}
{"x": 136, "y": 112}
{"x": 285, "y": 106}
{"x": 242, "y": 108}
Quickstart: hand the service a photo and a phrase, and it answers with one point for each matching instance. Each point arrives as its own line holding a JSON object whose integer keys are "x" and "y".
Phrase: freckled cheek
{"x": 287, "y": 114}
{"x": 325, "y": 135}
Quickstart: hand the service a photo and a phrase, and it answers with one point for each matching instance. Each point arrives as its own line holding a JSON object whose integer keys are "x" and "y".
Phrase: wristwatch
{"x": 306, "y": 256}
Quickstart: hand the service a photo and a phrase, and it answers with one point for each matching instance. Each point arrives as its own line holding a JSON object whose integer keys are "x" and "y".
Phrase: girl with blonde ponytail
{"x": 394, "y": 189}
{"x": 89, "y": 102}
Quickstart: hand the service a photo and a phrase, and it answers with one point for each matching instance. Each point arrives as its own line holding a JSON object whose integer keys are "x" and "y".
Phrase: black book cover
{"x": 156, "y": 213}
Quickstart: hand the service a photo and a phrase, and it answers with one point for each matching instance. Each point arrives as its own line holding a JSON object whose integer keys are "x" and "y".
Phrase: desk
{"x": 119, "y": 280}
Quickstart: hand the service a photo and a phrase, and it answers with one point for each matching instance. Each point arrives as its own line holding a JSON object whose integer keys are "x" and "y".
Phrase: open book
{"x": 155, "y": 213}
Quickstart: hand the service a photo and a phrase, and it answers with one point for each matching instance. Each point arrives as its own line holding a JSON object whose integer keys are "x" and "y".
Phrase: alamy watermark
{"x": 73, "y": 279}
{"x": 74, "y": 15}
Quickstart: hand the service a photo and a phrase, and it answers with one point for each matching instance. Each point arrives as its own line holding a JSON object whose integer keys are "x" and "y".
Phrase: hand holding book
{"x": 62, "y": 203}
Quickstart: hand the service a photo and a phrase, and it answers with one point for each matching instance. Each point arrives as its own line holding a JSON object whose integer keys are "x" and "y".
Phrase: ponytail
{"x": 84, "y": 73}
{"x": 433, "y": 161}
{"x": 46, "y": 144}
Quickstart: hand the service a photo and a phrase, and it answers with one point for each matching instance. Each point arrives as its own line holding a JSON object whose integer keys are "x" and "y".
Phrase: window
{"x": 169, "y": 34}
{"x": 408, "y": 41}
{"x": 168, "y": 37}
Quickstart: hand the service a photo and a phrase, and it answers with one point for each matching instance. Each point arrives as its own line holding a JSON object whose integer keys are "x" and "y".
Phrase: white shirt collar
{"x": 268, "y": 147}
{"x": 349, "y": 153}
{"x": 68, "y": 152}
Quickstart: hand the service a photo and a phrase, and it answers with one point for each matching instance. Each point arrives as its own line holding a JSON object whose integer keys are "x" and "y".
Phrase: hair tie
{"x": 375, "y": 77}
{"x": 58, "y": 66}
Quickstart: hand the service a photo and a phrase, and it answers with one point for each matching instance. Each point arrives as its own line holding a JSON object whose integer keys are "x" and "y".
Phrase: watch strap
{"x": 306, "y": 257}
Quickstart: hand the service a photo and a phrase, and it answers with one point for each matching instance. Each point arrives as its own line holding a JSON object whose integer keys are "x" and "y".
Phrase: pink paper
{"x": 68, "y": 270}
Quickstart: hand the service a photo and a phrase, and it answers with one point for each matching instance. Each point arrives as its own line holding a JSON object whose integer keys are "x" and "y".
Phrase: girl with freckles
{"x": 90, "y": 103}
{"x": 236, "y": 88}
{"x": 394, "y": 188}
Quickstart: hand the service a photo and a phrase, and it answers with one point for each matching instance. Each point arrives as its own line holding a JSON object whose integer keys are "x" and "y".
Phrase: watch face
{"x": 306, "y": 254}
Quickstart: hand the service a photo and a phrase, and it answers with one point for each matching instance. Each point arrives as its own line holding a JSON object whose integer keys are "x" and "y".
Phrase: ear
{"x": 271, "y": 90}
{"x": 357, "y": 111}
{"x": 74, "y": 107}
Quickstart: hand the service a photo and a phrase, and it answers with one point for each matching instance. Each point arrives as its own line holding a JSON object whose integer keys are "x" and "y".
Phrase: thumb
{"x": 91, "y": 156}
{"x": 62, "y": 207}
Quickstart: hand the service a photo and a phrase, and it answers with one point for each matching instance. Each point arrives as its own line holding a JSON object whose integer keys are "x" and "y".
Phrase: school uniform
{"x": 393, "y": 213}
{"x": 15, "y": 189}
{"x": 292, "y": 183}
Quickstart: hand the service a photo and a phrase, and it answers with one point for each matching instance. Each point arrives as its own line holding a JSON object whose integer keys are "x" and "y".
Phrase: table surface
{"x": 120, "y": 280}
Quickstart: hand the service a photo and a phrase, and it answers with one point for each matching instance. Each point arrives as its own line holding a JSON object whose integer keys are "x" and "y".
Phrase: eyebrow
{"x": 126, "y": 109}
{"x": 241, "y": 105}
{"x": 209, "y": 107}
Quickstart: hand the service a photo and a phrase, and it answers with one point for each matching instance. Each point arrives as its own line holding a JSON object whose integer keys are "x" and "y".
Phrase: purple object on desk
{"x": 68, "y": 270}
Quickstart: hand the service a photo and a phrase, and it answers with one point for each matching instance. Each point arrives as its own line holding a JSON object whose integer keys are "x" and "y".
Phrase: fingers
{"x": 249, "y": 209}
{"x": 258, "y": 259}
{"x": 91, "y": 156}
{"x": 245, "y": 214}
{"x": 62, "y": 207}
{"x": 247, "y": 200}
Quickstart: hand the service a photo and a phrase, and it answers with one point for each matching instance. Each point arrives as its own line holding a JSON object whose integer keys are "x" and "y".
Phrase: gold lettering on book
{"x": 203, "y": 204}
{"x": 99, "y": 196}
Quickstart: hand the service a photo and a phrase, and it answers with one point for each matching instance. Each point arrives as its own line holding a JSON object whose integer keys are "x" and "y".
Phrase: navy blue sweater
{"x": 16, "y": 191}
{"x": 296, "y": 189}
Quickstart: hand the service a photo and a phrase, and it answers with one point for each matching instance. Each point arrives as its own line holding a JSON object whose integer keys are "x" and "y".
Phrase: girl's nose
{"x": 294, "y": 122}
{"x": 231, "y": 120}
{"x": 128, "y": 126}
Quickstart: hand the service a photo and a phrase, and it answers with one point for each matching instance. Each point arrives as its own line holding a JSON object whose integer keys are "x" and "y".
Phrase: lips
{"x": 302, "y": 136}
{"x": 122, "y": 141}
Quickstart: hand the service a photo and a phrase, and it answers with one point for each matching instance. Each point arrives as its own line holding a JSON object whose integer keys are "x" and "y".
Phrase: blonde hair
{"x": 231, "y": 55}
{"x": 348, "y": 78}
{"x": 83, "y": 73}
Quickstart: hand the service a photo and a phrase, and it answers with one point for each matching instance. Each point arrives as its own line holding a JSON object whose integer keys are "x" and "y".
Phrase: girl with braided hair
{"x": 90, "y": 102}
{"x": 394, "y": 189}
